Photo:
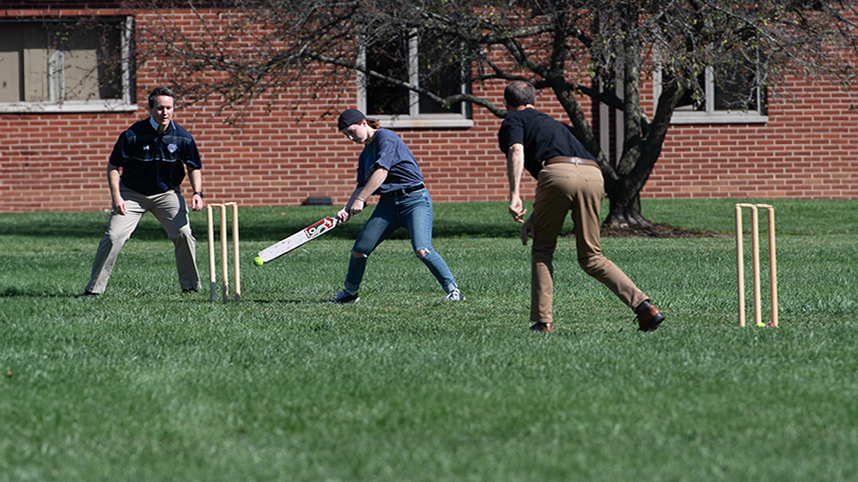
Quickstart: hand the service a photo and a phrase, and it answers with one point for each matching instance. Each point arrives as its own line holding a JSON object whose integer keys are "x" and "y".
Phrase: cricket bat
{"x": 298, "y": 239}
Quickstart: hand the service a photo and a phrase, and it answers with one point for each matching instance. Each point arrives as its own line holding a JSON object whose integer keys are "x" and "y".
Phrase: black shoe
{"x": 188, "y": 290}
{"x": 344, "y": 298}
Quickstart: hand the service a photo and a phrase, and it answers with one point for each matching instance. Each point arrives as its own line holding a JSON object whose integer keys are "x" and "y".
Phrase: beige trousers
{"x": 561, "y": 188}
{"x": 170, "y": 209}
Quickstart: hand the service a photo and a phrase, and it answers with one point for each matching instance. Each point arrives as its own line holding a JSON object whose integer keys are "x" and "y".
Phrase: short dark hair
{"x": 519, "y": 93}
{"x": 158, "y": 92}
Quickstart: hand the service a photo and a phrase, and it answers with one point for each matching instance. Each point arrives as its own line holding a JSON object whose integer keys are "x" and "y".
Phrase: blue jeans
{"x": 412, "y": 211}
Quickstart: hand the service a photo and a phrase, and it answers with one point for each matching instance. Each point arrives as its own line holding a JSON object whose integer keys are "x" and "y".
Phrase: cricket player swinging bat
{"x": 310, "y": 232}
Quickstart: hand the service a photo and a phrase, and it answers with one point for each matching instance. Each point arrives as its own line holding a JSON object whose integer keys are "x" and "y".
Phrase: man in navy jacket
{"x": 152, "y": 156}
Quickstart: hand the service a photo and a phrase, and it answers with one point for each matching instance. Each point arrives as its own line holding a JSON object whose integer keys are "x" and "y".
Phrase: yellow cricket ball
{"x": 258, "y": 261}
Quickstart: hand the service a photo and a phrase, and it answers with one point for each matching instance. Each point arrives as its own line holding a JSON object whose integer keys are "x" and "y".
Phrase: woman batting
{"x": 387, "y": 167}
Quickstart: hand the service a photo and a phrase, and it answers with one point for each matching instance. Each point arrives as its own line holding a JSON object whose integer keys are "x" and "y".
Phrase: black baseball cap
{"x": 349, "y": 117}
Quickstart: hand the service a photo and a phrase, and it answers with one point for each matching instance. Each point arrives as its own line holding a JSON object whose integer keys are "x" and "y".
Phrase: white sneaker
{"x": 456, "y": 295}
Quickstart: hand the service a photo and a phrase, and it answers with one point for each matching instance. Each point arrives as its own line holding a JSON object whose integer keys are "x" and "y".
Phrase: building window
{"x": 729, "y": 98}
{"x": 397, "y": 106}
{"x": 65, "y": 65}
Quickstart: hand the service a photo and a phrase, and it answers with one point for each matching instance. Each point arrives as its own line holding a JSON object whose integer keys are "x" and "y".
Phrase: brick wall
{"x": 277, "y": 157}
{"x": 807, "y": 149}
{"x": 58, "y": 161}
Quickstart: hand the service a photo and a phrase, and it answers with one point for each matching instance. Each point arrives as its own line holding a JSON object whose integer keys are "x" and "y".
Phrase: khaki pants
{"x": 170, "y": 209}
{"x": 561, "y": 188}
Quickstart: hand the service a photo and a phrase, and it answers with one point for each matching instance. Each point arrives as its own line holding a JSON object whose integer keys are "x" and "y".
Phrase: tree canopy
{"x": 597, "y": 49}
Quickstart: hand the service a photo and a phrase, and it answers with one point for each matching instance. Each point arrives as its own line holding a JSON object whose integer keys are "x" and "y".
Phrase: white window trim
{"x": 605, "y": 124}
{"x": 414, "y": 119}
{"x": 99, "y": 105}
{"x": 710, "y": 115}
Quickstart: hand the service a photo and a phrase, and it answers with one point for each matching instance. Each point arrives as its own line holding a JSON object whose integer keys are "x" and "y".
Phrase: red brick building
{"x": 55, "y": 140}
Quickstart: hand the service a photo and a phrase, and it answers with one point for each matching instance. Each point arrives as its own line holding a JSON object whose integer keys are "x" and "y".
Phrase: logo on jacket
{"x": 172, "y": 148}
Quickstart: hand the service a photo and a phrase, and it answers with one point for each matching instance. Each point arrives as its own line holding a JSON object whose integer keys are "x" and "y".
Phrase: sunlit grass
{"x": 144, "y": 383}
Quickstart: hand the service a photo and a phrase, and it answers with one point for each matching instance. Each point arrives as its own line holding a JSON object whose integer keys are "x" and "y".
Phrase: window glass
{"x": 391, "y": 59}
{"x": 62, "y": 61}
{"x": 733, "y": 90}
{"x": 417, "y": 62}
{"x": 445, "y": 80}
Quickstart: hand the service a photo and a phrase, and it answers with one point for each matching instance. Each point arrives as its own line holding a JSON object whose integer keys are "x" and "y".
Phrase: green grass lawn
{"x": 144, "y": 383}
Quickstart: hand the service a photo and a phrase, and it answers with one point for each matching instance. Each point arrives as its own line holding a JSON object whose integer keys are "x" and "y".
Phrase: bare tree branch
{"x": 245, "y": 49}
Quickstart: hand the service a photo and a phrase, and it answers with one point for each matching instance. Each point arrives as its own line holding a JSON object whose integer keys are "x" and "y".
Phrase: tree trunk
{"x": 625, "y": 208}
{"x": 641, "y": 150}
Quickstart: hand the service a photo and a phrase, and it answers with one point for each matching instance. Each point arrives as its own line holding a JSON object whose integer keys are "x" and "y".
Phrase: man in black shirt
{"x": 568, "y": 179}
{"x": 153, "y": 155}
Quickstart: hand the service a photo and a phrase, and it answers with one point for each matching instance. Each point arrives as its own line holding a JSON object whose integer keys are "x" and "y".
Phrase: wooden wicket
{"x": 223, "y": 251}
{"x": 755, "y": 247}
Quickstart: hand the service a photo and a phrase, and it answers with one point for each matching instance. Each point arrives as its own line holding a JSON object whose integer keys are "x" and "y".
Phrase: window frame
{"x": 710, "y": 115}
{"x": 414, "y": 119}
{"x": 56, "y": 83}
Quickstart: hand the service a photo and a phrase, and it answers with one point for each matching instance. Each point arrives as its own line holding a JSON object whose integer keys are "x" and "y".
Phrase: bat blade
{"x": 298, "y": 239}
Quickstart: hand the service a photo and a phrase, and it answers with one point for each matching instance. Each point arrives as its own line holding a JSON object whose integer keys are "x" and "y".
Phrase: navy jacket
{"x": 153, "y": 163}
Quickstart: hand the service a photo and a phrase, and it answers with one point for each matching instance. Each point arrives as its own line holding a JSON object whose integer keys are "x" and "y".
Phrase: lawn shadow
{"x": 268, "y": 224}
{"x": 15, "y": 292}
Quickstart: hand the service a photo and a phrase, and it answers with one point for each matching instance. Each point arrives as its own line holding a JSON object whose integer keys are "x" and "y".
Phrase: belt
{"x": 400, "y": 192}
{"x": 570, "y": 160}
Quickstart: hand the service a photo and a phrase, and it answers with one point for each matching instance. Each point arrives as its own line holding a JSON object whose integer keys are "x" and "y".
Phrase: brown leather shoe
{"x": 650, "y": 318}
{"x": 541, "y": 327}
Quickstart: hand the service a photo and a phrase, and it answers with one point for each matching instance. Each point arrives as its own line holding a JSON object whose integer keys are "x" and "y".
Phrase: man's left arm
{"x": 196, "y": 178}
{"x": 193, "y": 163}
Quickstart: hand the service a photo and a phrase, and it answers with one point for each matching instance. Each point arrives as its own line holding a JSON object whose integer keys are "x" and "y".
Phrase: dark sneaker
{"x": 344, "y": 298}
{"x": 456, "y": 295}
{"x": 541, "y": 327}
{"x": 650, "y": 318}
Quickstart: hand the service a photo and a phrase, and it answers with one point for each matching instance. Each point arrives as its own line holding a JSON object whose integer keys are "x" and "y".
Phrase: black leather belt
{"x": 570, "y": 160}
{"x": 400, "y": 192}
